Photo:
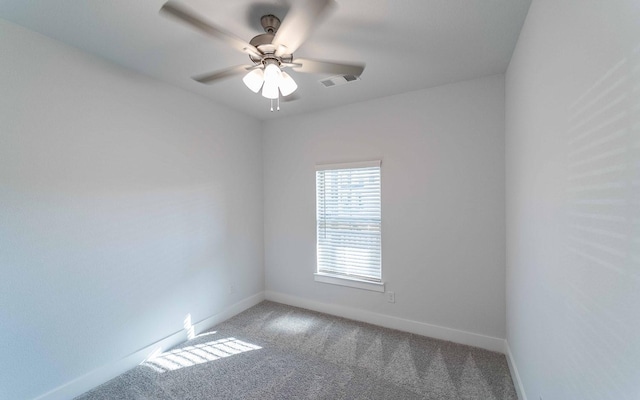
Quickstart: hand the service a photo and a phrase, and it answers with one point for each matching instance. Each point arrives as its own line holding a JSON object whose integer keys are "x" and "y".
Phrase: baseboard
{"x": 107, "y": 372}
{"x": 387, "y": 321}
{"x": 229, "y": 312}
{"x": 514, "y": 372}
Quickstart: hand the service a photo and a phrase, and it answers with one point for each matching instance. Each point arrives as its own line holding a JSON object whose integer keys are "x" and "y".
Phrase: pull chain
{"x": 277, "y": 104}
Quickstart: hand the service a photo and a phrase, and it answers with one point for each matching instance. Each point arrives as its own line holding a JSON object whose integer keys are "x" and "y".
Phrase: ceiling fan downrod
{"x": 270, "y": 23}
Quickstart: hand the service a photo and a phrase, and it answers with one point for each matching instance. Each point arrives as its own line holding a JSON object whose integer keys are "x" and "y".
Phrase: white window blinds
{"x": 348, "y": 220}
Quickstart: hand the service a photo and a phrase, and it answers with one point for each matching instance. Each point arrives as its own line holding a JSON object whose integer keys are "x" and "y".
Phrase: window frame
{"x": 340, "y": 279}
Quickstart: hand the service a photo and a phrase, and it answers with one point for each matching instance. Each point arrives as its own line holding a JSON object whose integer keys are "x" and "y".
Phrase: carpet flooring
{"x": 273, "y": 351}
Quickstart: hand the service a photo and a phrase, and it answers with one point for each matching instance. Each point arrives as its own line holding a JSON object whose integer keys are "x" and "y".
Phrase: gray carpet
{"x": 273, "y": 351}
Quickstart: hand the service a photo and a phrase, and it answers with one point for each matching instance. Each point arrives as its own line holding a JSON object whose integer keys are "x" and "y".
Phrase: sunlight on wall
{"x": 603, "y": 231}
{"x": 189, "y": 327}
{"x": 198, "y": 354}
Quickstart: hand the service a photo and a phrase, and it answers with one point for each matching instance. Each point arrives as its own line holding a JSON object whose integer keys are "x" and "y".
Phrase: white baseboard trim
{"x": 517, "y": 382}
{"x": 107, "y": 372}
{"x": 229, "y": 312}
{"x": 387, "y": 321}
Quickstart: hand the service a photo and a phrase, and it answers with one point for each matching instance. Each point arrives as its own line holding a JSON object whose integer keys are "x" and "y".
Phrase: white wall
{"x": 573, "y": 200}
{"x": 442, "y": 153}
{"x": 125, "y": 204}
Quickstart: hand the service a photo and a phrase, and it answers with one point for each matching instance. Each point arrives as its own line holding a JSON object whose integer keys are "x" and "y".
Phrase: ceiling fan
{"x": 272, "y": 51}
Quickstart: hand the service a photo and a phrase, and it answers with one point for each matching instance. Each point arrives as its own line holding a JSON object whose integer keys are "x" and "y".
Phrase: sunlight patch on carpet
{"x": 198, "y": 354}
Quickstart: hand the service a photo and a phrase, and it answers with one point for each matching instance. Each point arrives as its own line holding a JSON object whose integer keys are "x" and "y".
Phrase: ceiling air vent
{"x": 339, "y": 80}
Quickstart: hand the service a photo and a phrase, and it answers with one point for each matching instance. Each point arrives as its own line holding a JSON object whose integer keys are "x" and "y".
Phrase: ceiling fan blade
{"x": 301, "y": 20}
{"x": 223, "y": 73}
{"x": 189, "y": 17}
{"x": 326, "y": 67}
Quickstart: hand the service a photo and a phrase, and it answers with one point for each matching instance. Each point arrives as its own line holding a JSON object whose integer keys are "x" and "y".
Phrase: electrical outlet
{"x": 391, "y": 297}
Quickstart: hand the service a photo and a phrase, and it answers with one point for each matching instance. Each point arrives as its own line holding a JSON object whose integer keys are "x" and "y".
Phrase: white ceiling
{"x": 406, "y": 44}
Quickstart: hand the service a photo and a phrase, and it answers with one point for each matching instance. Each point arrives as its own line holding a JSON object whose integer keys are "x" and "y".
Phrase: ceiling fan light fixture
{"x": 287, "y": 84}
{"x": 254, "y": 79}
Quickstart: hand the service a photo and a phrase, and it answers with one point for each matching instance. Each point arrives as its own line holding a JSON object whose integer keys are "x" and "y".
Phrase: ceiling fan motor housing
{"x": 263, "y": 43}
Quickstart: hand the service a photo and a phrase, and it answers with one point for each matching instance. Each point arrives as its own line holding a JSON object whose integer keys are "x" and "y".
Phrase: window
{"x": 348, "y": 222}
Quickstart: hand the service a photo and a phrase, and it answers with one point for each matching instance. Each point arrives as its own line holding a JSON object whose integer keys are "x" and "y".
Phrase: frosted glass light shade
{"x": 270, "y": 90}
{"x": 254, "y": 79}
{"x": 272, "y": 77}
{"x": 287, "y": 84}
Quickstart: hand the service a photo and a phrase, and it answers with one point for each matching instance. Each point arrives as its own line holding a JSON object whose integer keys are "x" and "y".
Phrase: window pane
{"x": 348, "y": 222}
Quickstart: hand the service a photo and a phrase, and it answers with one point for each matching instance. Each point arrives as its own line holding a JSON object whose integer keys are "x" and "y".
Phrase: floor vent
{"x": 339, "y": 80}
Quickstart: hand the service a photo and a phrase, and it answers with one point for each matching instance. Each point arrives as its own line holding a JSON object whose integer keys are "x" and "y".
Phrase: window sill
{"x": 354, "y": 283}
